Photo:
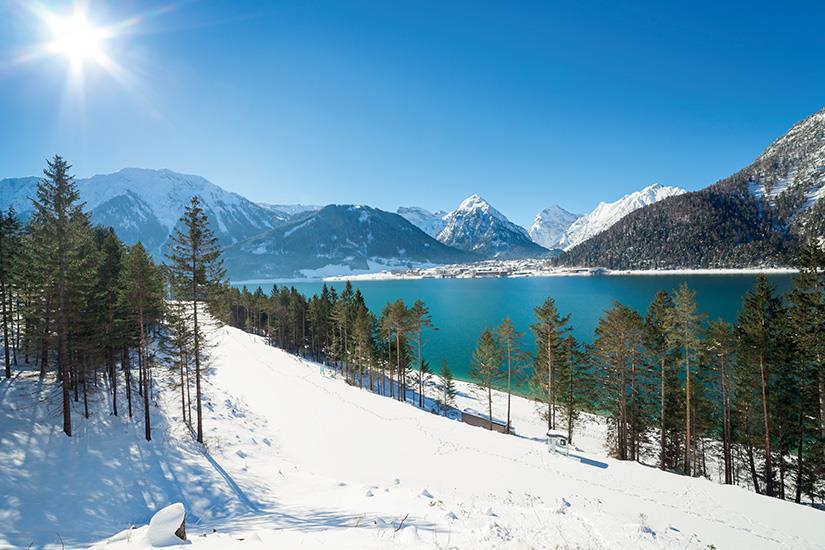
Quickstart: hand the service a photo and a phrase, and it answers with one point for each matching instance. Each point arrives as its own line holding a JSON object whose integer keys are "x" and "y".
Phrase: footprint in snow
{"x": 490, "y": 512}
{"x": 268, "y": 442}
{"x": 368, "y": 493}
{"x": 449, "y": 516}
{"x": 562, "y": 505}
{"x": 425, "y": 493}
{"x": 240, "y": 453}
{"x": 396, "y": 481}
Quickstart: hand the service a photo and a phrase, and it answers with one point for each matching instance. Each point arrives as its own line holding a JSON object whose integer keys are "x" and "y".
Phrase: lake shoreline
{"x": 413, "y": 275}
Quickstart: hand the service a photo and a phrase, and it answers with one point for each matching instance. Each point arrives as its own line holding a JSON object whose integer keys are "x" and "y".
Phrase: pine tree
{"x": 618, "y": 351}
{"x": 661, "y": 354}
{"x": 806, "y": 312}
{"x": 720, "y": 347}
{"x": 683, "y": 325}
{"x": 757, "y": 332}
{"x": 142, "y": 298}
{"x": 448, "y": 386}
{"x": 197, "y": 269}
{"x": 550, "y": 330}
{"x": 422, "y": 378}
{"x": 486, "y": 369}
{"x": 575, "y": 383}
{"x": 9, "y": 251}
{"x": 419, "y": 319}
{"x": 513, "y": 355}
{"x": 57, "y": 216}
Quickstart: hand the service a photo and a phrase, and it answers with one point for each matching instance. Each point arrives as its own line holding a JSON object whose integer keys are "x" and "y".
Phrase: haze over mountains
{"x": 756, "y": 217}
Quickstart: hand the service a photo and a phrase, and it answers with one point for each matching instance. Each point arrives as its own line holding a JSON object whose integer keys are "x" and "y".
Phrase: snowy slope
{"x": 297, "y": 458}
{"x": 430, "y": 223}
{"x": 477, "y": 227}
{"x": 550, "y": 224}
{"x": 608, "y": 213}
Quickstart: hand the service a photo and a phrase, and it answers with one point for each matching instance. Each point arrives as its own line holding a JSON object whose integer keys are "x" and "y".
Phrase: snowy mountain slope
{"x": 17, "y": 193}
{"x": 145, "y": 205}
{"x": 607, "y": 214}
{"x": 430, "y": 223}
{"x": 477, "y": 227}
{"x": 550, "y": 224}
{"x": 789, "y": 176}
{"x": 758, "y": 216}
{"x": 285, "y": 211}
{"x": 338, "y": 239}
{"x": 298, "y": 458}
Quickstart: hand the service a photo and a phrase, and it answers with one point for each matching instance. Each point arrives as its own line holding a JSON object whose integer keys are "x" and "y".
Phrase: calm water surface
{"x": 462, "y": 308}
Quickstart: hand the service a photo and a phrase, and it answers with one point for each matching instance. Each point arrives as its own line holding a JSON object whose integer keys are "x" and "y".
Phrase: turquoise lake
{"x": 462, "y": 308}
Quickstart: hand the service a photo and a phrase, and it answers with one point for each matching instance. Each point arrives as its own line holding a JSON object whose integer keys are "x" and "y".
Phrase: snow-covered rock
{"x": 476, "y": 226}
{"x": 608, "y": 213}
{"x": 550, "y": 224}
{"x": 164, "y": 524}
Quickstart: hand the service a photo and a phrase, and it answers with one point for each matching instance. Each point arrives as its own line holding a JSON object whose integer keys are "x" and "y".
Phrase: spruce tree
{"x": 661, "y": 354}
{"x": 513, "y": 356}
{"x": 142, "y": 297}
{"x": 720, "y": 348}
{"x": 58, "y": 215}
{"x": 550, "y": 330}
{"x": 197, "y": 269}
{"x": 618, "y": 351}
{"x": 486, "y": 369}
{"x": 448, "y": 385}
{"x": 419, "y": 319}
{"x": 757, "y": 326}
{"x": 9, "y": 250}
{"x": 683, "y": 325}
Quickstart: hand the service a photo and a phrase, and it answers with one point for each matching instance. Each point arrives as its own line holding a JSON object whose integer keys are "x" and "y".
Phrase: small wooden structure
{"x": 557, "y": 442}
{"x": 475, "y": 418}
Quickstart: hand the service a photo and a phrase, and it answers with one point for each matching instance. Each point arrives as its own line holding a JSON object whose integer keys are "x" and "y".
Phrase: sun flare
{"x": 77, "y": 39}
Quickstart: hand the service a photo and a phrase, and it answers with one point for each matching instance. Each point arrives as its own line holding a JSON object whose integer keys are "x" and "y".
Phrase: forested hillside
{"x": 759, "y": 216}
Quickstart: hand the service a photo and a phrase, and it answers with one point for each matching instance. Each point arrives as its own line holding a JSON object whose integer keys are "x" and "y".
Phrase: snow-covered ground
{"x": 296, "y": 457}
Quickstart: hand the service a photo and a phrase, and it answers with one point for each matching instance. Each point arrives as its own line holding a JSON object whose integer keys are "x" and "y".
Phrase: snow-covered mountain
{"x": 431, "y": 223}
{"x": 145, "y": 205}
{"x": 756, "y": 217}
{"x": 338, "y": 240}
{"x": 789, "y": 176}
{"x": 608, "y": 213}
{"x": 550, "y": 224}
{"x": 476, "y": 226}
{"x": 286, "y": 211}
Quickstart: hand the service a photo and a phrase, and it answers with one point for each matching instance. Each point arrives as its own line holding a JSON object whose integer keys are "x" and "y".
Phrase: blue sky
{"x": 421, "y": 103}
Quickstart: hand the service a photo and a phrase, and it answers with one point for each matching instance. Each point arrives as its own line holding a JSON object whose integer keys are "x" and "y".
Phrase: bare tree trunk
{"x": 146, "y": 373}
{"x": 509, "y": 378}
{"x": 688, "y": 440}
{"x": 402, "y": 385}
{"x": 5, "y": 330}
{"x": 662, "y": 441}
{"x": 766, "y": 423}
{"x": 490, "y": 402}
{"x": 551, "y": 413}
{"x": 113, "y": 373}
{"x": 62, "y": 339}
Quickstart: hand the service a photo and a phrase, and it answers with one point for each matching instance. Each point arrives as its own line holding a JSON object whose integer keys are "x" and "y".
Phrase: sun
{"x": 77, "y": 38}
